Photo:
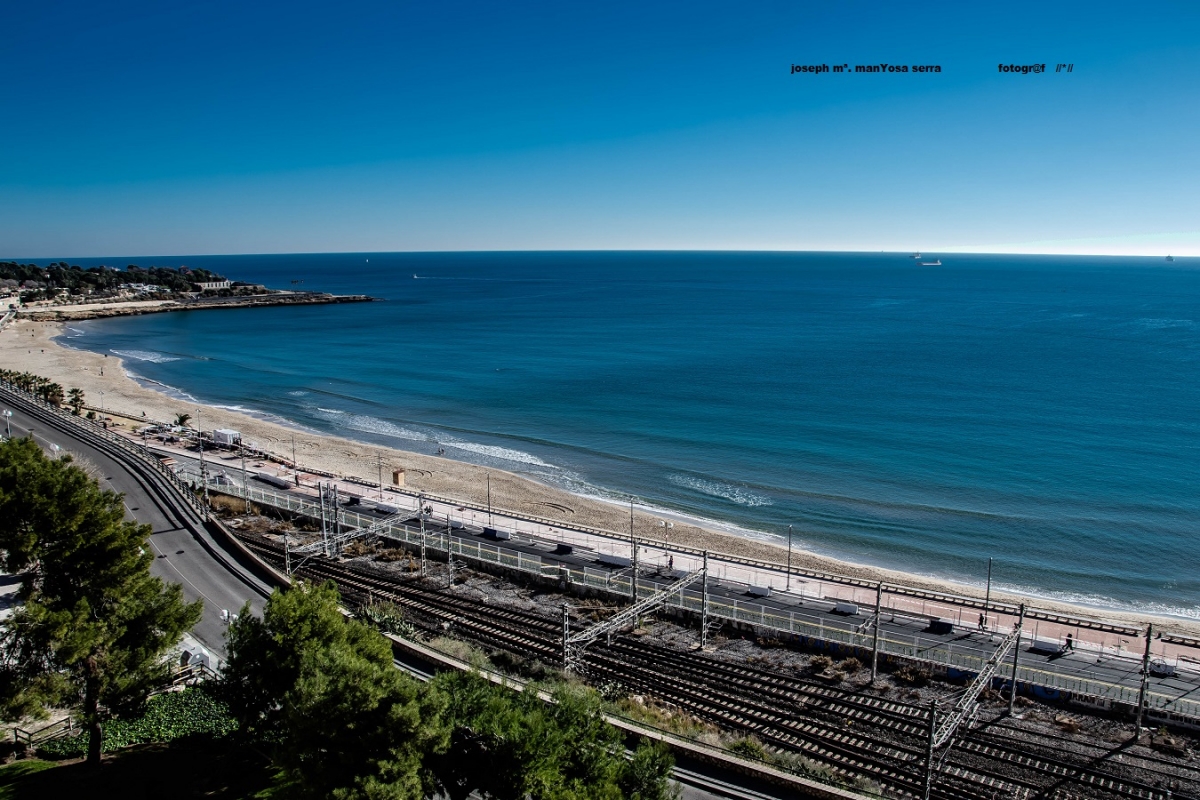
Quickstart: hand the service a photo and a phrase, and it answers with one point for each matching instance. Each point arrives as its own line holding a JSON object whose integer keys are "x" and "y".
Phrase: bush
{"x": 912, "y": 676}
{"x": 749, "y": 747}
{"x": 850, "y": 666}
{"x": 174, "y": 715}
{"x": 820, "y": 663}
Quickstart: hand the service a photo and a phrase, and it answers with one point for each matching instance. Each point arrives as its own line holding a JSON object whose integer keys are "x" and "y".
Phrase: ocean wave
{"x": 266, "y": 416}
{"x": 493, "y": 451}
{"x": 369, "y": 424}
{"x": 381, "y": 427}
{"x": 145, "y": 355}
{"x": 727, "y": 491}
{"x": 161, "y": 388}
{"x": 75, "y": 332}
{"x": 1100, "y": 602}
{"x": 298, "y": 393}
{"x": 1152, "y": 323}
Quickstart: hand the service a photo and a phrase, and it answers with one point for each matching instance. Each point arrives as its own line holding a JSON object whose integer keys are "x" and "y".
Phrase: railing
{"x": 777, "y": 571}
{"x": 56, "y": 730}
{"x": 92, "y": 429}
{"x": 797, "y": 623}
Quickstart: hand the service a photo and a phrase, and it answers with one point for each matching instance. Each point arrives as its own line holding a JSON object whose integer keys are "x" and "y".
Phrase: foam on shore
{"x": 540, "y": 483}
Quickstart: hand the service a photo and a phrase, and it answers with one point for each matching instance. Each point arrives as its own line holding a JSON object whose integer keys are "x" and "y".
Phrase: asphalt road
{"x": 183, "y": 549}
{"x": 184, "y": 555}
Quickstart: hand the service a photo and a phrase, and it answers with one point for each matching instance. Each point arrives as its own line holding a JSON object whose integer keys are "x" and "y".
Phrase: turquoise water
{"x": 1038, "y": 410}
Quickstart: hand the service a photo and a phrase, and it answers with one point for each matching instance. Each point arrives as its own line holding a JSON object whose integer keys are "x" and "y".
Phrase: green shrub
{"x": 749, "y": 747}
{"x": 170, "y": 716}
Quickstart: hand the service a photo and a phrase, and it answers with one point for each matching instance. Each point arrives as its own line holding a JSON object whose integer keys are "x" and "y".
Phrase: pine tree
{"x": 322, "y": 694}
{"x": 94, "y": 625}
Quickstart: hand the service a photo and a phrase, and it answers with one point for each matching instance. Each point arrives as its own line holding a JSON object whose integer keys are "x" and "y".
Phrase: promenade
{"x": 1103, "y": 666}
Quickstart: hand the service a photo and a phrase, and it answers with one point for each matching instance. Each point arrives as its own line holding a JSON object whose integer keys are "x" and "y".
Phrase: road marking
{"x": 181, "y": 575}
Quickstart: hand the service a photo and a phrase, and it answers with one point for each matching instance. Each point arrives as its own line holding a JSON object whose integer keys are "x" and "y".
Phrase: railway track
{"x": 852, "y": 734}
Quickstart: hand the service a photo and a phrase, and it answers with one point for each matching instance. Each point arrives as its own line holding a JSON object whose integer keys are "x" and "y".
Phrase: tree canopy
{"x": 94, "y": 624}
{"x": 322, "y": 693}
{"x": 508, "y": 745}
{"x": 77, "y": 280}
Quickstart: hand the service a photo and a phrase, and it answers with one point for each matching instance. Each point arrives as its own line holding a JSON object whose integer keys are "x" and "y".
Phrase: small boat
{"x": 1170, "y": 258}
{"x": 937, "y": 263}
{"x": 414, "y": 276}
{"x": 915, "y": 255}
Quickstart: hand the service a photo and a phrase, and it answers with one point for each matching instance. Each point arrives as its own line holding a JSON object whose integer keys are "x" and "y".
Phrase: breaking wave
{"x": 737, "y": 494}
{"x": 145, "y": 355}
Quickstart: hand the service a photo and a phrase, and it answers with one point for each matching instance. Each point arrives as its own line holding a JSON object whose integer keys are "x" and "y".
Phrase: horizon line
{"x": 931, "y": 253}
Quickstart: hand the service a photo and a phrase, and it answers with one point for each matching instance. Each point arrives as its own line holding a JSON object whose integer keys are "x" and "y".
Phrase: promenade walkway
{"x": 1103, "y": 666}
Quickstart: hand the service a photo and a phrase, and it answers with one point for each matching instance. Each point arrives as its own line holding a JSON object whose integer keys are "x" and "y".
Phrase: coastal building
{"x": 208, "y": 286}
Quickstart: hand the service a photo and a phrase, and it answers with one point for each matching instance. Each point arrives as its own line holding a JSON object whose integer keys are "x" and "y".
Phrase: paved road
{"x": 183, "y": 548}
{"x": 184, "y": 556}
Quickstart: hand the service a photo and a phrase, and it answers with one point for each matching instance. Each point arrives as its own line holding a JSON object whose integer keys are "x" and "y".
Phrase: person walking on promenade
{"x": 1070, "y": 644}
{"x": 983, "y": 622}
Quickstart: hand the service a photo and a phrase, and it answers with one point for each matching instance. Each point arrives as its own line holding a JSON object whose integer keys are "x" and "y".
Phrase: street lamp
{"x": 203, "y": 473}
{"x": 789, "y": 563}
{"x": 7, "y": 424}
{"x": 987, "y": 598}
{"x": 633, "y": 560}
{"x": 245, "y": 485}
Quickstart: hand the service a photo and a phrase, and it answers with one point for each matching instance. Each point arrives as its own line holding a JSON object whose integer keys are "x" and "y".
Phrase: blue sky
{"x": 151, "y": 128}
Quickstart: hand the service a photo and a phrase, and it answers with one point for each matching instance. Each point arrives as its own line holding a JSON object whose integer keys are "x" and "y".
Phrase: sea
{"x": 1039, "y": 411}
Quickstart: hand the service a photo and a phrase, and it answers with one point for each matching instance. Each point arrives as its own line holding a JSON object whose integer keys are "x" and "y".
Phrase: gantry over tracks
{"x": 853, "y": 734}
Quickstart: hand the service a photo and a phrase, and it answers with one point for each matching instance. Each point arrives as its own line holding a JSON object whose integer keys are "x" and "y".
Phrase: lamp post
{"x": 489, "y": 499}
{"x": 421, "y": 517}
{"x": 789, "y": 563}
{"x": 7, "y": 424}
{"x": 245, "y": 485}
{"x": 987, "y": 598}
{"x": 203, "y": 474}
{"x": 633, "y": 559}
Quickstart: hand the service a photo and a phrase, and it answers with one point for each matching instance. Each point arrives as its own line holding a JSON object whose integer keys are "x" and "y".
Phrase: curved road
{"x": 186, "y": 553}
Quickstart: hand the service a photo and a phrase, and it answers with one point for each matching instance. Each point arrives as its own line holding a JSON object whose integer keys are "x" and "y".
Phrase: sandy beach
{"x": 29, "y": 346}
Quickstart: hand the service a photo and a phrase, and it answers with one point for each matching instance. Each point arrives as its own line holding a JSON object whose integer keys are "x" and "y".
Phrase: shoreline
{"x": 102, "y": 310}
{"x": 120, "y": 393}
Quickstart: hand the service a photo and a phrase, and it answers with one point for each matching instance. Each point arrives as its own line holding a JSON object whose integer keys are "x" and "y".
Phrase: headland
{"x": 100, "y": 310}
{"x": 62, "y": 293}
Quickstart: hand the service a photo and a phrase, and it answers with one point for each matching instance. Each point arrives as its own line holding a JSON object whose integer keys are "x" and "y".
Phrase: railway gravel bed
{"x": 855, "y": 732}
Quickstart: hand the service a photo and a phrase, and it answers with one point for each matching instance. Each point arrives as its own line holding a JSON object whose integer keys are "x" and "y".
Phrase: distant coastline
{"x": 85, "y": 311}
{"x": 62, "y": 292}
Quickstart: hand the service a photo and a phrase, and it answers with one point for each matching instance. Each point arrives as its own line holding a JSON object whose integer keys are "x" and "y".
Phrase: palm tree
{"x": 53, "y": 393}
{"x": 182, "y": 419}
{"x": 76, "y": 398}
